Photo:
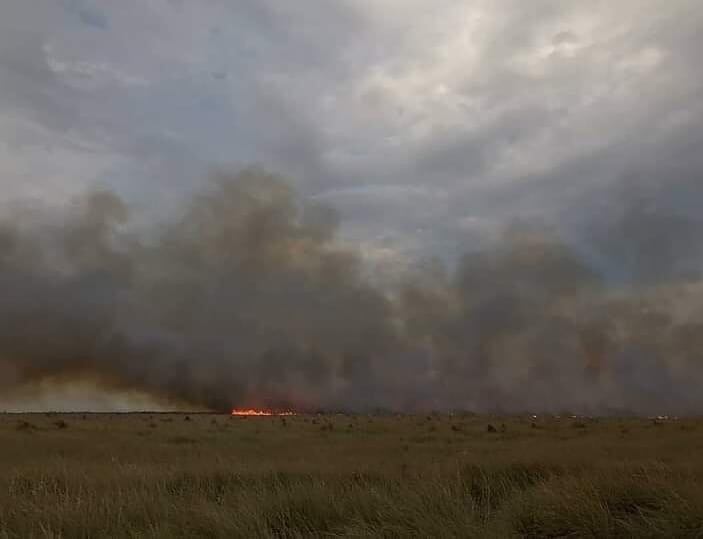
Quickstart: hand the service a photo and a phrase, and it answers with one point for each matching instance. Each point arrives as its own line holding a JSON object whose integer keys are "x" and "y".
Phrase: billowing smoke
{"x": 246, "y": 299}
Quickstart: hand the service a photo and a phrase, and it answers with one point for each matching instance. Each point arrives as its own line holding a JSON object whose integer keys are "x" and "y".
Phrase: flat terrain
{"x": 172, "y": 475}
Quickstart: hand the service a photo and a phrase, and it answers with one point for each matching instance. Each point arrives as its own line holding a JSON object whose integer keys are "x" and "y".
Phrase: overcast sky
{"x": 427, "y": 124}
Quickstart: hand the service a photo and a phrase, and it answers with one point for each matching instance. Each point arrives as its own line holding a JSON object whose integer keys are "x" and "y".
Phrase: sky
{"x": 347, "y": 203}
{"x": 427, "y": 125}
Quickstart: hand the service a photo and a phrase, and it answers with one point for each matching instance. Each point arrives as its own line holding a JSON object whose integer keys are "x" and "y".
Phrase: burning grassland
{"x": 251, "y": 412}
{"x": 247, "y": 296}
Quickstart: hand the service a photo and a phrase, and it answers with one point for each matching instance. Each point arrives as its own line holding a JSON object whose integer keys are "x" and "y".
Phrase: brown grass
{"x": 151, "y": 475}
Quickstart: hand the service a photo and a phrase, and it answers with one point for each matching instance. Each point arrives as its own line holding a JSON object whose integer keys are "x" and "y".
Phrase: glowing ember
{"x": 252, "y": 412}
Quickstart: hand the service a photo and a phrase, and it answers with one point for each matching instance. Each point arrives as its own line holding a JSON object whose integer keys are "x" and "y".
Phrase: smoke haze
{"x": 247, "y": 298}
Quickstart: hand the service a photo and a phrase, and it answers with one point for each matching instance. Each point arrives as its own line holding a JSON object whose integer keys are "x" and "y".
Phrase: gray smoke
{"x": 247, "y": 299}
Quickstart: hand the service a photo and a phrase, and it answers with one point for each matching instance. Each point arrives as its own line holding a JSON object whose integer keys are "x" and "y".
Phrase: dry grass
{"x": 151, "y": 475}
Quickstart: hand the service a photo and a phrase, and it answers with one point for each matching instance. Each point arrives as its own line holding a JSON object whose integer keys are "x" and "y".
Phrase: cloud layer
{"x": 432, "y": 147}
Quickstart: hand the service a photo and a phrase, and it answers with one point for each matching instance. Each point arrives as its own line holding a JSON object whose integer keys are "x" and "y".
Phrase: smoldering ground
{"x": 247, "y": 299}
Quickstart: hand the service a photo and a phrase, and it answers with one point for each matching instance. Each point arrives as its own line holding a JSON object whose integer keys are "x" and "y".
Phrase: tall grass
{"x": 100, "y": 478}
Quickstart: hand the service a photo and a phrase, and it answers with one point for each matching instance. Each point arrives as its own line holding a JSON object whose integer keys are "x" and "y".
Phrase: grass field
{"x": 172, "y": 475}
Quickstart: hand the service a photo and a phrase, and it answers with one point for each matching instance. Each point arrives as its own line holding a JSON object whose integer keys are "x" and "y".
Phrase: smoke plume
{"x": 247, "y": 299}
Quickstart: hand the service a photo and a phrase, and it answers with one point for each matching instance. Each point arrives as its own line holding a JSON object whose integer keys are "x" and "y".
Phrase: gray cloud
{"x": 428, "y": 130}
{"x": 88, "y": 13}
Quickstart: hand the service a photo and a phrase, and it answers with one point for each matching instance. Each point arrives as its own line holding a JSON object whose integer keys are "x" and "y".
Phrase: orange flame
{"x": 252, "y": 412}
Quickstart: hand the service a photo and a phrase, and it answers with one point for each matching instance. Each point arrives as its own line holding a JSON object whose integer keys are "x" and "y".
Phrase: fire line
{"x": 253, "y": 412}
